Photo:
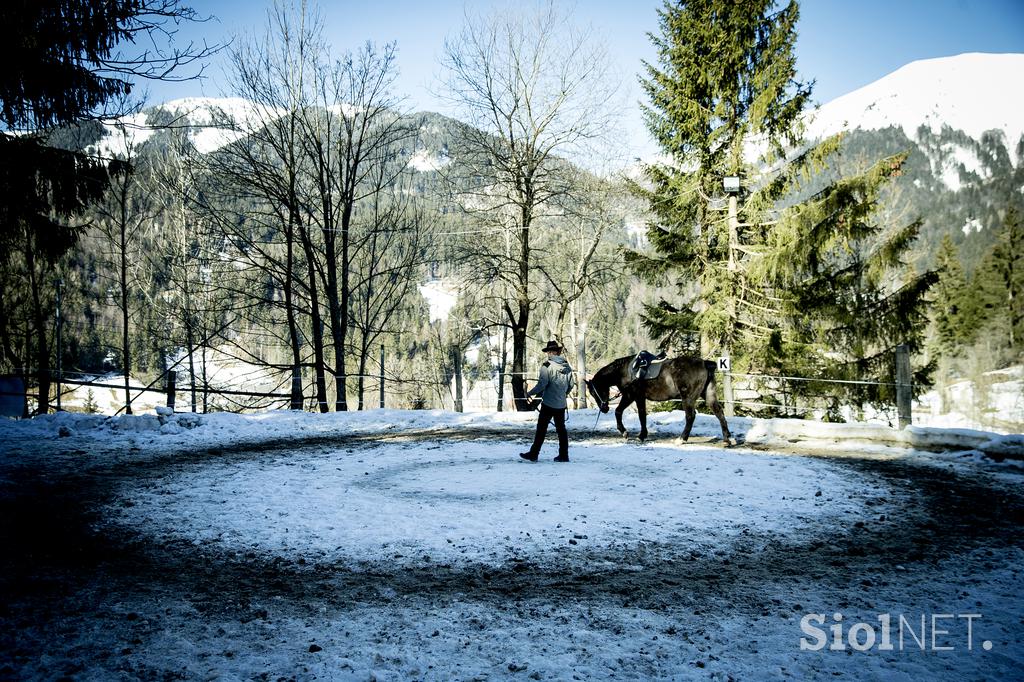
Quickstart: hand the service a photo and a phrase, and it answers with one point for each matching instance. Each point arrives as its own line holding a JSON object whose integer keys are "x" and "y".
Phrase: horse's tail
{"x": 712, "y": 397}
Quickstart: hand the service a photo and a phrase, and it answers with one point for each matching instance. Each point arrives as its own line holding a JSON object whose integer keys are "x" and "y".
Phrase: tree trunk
{"x": 457, "y": 367}
{"x": 125, "y": 349}
{"x": 190, "y": 342}
{"x": 206, "y": 383}
{"x": 361, "y": 383}
{"x": 338, "y": 323}
{"x": 340, "y": 376}
{"x": 319, "y": 366}
{"x": 289, "y": 307}
{"x": 520, "y": 324}
{"x": 42, "y": 343}
{"x": 502, "y": 366}
{"x": 519, "y": 359}
{"x": 580, "y": 336}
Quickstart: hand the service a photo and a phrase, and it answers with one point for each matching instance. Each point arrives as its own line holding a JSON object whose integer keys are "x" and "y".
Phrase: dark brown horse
{"x": 685, "y": 379}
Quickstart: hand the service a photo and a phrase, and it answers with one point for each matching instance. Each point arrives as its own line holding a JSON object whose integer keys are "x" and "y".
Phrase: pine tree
{"x": 949, "y": 310}
{"x": 725, "y": 78}
{"x": 800, "y": 276}
{"x": 999, "y": 284}
{"x": 847, "y": 288}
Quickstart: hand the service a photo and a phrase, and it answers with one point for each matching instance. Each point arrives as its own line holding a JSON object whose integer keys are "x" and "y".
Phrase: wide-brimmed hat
{"x": 552, "y": 347}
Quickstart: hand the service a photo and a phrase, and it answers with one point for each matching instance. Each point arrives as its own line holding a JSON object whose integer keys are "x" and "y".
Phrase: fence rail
{"x": 903, "y": 387}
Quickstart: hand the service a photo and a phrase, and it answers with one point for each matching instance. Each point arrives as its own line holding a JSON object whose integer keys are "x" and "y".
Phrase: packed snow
{"x": 395, "y": 544}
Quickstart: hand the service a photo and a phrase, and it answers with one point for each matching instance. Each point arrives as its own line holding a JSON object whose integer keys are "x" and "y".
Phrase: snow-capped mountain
{"x": 212, "y": 123}
{"x": 972, "y": 92}
{"x": 962, "y": 113}
{"x": 960, "y": 121}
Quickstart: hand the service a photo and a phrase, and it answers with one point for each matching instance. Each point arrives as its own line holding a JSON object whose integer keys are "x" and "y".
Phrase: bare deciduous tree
{"x": 535, "y": 90}
{"x": 123, "y": 214}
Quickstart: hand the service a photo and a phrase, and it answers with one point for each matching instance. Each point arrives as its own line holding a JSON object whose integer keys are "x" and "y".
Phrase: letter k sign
{"x": 723, "y": 364}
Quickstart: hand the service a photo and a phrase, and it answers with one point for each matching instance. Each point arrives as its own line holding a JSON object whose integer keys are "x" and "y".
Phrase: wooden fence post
{"x": 904, "y": 385}
{"x": 172, "y": 380}
{"x": 296, "y": 403}
{"x": 382, "y": 376}
{"x": 457, "y": 361}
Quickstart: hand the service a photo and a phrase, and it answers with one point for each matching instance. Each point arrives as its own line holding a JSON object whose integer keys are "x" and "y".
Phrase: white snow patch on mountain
{"x": 441, "y": 296}
{"x": 972, "y": 225}
{"x": 972, "y": 92}
{"x": 219, "y": 121}
{"x": 955, "y": 161}
{"x": 121, "y": 138}
{"x": 423, "y": 161}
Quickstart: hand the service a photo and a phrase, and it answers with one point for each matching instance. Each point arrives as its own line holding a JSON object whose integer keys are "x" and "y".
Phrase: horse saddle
{"x": 646, "y": 365}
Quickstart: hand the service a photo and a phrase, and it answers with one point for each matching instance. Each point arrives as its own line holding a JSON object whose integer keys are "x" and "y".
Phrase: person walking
{"x": 556, "y": 381}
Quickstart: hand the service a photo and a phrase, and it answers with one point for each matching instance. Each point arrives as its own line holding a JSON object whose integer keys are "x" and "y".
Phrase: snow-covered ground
{"x": 416, "y": 545}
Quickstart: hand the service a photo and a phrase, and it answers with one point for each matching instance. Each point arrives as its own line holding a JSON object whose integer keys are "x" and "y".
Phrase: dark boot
{"x": 562, "y": 458}
{"x": 528, "y": 456}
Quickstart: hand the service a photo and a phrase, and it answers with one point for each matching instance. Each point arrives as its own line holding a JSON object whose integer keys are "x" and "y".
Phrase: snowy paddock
{"x": 416, "y": 545}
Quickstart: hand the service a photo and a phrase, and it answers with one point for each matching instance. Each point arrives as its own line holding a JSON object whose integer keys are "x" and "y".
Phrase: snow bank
{"x": 994, "y": 445}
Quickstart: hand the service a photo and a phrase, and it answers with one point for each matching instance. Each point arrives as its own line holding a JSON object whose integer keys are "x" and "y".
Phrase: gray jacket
{"x": 556, "y": 381}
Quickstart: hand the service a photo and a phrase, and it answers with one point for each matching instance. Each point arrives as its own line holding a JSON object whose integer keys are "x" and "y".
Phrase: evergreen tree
{"x": 999, "y": 284}
{"x": 799, "y": 275}
{"x": 950, "y": 307}
{"x": 725, "y": 78}
{"x": 62, "y": 67}
{"x": 847, "y": 288}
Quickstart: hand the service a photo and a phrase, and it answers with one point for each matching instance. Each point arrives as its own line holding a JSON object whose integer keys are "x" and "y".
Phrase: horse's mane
{"x": 610, "y": 373}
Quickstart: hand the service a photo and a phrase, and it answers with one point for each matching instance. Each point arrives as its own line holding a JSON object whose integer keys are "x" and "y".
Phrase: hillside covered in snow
{"x": 974, "y": 93}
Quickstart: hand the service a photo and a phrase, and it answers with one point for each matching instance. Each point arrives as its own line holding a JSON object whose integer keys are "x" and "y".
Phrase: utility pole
{"x": 732, "y": 186}
{"x": 904, "y": 386}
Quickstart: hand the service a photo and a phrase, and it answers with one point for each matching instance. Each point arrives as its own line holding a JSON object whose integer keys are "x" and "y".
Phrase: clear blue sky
{"x": 843, "y": 44}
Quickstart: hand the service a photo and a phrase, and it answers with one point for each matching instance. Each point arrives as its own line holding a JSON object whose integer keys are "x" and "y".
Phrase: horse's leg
{"x": 691, "y": 415}
{"x": 641, "y": 408}
{"x": 711, "y": 398}
{"x": 623, "y": 404}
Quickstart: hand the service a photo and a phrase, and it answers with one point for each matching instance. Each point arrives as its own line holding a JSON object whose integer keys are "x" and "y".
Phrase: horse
{"x": 681, "y": 378}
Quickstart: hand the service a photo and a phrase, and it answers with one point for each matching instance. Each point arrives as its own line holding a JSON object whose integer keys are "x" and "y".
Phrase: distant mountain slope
{"x": 961, "y": 119}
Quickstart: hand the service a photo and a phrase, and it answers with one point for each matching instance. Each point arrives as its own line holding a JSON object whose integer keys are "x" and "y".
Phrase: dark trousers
{"x": 546, "y": 415}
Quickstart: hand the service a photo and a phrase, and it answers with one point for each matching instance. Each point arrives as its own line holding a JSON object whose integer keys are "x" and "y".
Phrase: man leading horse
{"x": 555, "y": 383}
